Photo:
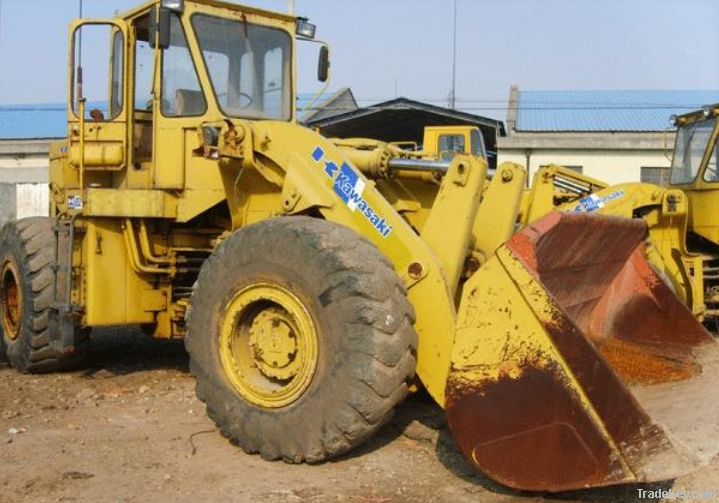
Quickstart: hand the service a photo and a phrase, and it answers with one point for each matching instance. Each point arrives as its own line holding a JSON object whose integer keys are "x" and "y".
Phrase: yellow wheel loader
{"x": 683, "y": 239}
{"x": 315, "y": 281}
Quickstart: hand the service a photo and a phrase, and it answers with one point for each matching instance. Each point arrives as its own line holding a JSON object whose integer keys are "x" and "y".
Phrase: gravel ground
{"x": 128, "y": 428}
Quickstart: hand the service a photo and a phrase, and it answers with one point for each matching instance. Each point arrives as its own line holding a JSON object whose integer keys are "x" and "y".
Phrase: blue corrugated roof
{"x": 587, "y": 111}
{"x": 49, "y": 120}
{"x": 23, "y": 122}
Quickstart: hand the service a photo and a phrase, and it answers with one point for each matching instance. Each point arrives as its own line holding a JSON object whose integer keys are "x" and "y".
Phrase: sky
{"x": 388, "y": 48}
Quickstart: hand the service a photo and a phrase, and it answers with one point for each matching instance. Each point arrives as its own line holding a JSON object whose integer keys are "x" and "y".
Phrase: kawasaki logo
{"x": 349, "y": 187}
{"x": 594, "y": 202}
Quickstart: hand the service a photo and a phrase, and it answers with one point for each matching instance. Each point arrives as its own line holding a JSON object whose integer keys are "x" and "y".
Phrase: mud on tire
{"x": 364, "y": 325}
{"x": 27, "y": 275}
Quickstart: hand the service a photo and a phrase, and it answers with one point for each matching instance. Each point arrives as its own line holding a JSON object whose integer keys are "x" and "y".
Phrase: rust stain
{"x": 638, "y": 307}
{"x": 642, "y": 364}
{"x": 530, "y": 432}
{"x": 616, "y": 324}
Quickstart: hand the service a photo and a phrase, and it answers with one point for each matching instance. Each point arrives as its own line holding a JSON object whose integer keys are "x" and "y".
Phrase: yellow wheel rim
{"x": 10, "y": 300}
{"x": 268, "y": 345}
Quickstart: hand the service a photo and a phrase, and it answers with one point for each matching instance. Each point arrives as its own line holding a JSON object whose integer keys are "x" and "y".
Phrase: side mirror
{"x": 160, "y": 28}
{"x": 323, "y": 66}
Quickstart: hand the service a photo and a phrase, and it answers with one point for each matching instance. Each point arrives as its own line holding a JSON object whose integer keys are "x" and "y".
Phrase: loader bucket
{"x": 575, "y": 366}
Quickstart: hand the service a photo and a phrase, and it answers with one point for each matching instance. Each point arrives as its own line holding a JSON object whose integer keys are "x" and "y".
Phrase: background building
{"x": 26, "y": 132}
{"x": 615, "y": 136}
{"x": 402, "y": 119}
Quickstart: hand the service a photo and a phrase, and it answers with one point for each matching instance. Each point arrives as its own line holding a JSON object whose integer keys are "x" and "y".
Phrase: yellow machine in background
{"x": 683, "y": 240}
{"x": 446, "y": 141}
{"x": 315, "y": 281}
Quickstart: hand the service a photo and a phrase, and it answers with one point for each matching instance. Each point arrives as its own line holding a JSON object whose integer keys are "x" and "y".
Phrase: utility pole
{"x": 453, "y": 91}
{"x": 0, "y": 26}
{"x": 291, "y": 7}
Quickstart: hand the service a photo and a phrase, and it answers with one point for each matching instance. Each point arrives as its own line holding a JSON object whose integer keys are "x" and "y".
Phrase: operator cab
{"x": 694, "y": 169}
{"x": 696, "y": 149}
{"x": 448, "y": 141}
{"x": 175, "y": 65}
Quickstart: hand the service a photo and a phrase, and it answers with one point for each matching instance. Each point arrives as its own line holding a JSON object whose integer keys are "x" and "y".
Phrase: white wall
{"x": 611, "y": 166}
{"x": 32, "y": 200}
{"x": 24, "y": 168}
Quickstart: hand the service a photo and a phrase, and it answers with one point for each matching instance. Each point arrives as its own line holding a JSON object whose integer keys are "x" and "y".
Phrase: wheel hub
{"x": 10, "y": 301}
{"x": 273, "y": 340}
{"x": 268, "y": 344}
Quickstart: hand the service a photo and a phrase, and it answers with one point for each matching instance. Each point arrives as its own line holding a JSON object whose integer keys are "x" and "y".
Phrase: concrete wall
{"x": 32, "y": 200}
{"x": 23, "y": 200}
{"x": 23, "y": 178}
{"x": 611, "y": 166}
{"x": 24, "y": 169}
{"x": 8, "y": 207}
{"x": 24, "y": 161}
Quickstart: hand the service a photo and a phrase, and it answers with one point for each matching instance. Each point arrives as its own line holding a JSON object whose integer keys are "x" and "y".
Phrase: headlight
{"x": 305, "y": 28}
{"x": 707, "y": 111}
{"x": 174, "y": 5}
{"x": 673, "y": 120}
{"x": 210, "y": 136}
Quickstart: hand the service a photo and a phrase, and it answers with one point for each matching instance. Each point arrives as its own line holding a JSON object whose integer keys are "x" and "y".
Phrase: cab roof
{"x": 218, "y": 3}
{"x": 698, "y": 114}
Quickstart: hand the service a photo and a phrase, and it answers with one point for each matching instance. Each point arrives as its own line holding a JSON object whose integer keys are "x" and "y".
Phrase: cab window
{"x": 144, "y": 66}
{"x": 691, "y": 144}
{"x": 182, "y": 94}
{"x": 94, "y": 45}
{"x": 477, "y": 142}
{"x": 711, "y": 174}
{"x": 118, "y": 65}
{"x": 449, "y": 145}
{"x": 249, "y": 67}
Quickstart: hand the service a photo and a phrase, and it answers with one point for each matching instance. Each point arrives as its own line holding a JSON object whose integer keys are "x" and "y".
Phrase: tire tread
{"x": 32, "y": 243}
{"x": 362, "y": 285}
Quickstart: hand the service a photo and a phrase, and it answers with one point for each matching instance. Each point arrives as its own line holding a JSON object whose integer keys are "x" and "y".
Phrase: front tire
{"x": 301, "y": 339}
{"x": 27, "y": 278}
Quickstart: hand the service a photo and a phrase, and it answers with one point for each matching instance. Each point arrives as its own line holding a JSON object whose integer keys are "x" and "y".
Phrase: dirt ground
{"x": 128, "y": 428}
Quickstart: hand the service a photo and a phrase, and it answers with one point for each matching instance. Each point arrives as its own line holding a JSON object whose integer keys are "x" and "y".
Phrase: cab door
{"x": 97, "y": 105}
{"x": 180, "y": 105}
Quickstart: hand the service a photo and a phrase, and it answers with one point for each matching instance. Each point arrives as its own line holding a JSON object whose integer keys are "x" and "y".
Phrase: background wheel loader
{"x": 682, "y": 220}
{"x": 315, "y": 281}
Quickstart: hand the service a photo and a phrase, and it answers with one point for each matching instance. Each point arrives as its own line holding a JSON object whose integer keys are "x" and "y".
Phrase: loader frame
{"x": 145, "y": 213}
{"x": 162, "y": 201}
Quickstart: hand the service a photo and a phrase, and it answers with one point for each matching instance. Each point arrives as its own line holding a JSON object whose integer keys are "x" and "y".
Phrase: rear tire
{"x": 363, "y": 330}
{"x": 27, "y": 278}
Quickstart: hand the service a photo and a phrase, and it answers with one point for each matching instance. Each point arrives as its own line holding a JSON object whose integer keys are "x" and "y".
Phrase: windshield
{"x": 449, "y": 145}
{"x": 249, "y": 66}
{"x": 691, "y": 143}
{"x": 711, "y": 173}
{"x": 478, "y": 144}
